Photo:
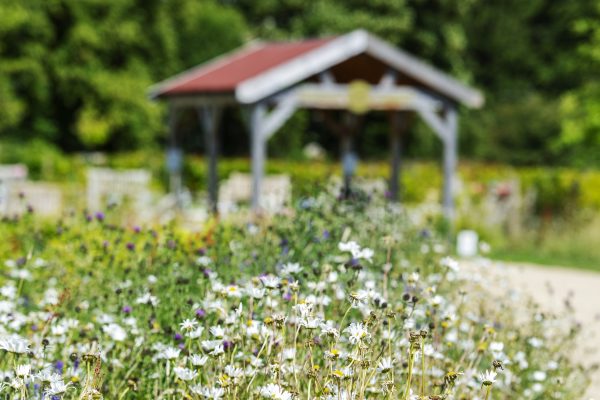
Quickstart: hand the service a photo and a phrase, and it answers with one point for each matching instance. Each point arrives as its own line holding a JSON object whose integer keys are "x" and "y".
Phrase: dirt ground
{"x": 550, "y": 286}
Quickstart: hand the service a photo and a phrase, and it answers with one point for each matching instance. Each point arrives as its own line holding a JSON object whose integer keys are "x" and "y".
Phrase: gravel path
{"x": 550, "y": 286}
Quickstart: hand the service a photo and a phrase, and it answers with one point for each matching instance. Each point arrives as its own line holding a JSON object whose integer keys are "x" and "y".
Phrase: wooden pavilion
{"x": 356, "y": 72}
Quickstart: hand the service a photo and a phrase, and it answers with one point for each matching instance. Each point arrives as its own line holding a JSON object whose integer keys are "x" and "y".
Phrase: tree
{"x": 525, "y": 55}
{"x": 76, "y": 72}
{"x": 580, "y": 134}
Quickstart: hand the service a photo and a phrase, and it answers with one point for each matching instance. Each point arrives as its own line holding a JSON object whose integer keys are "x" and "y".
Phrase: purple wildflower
{"x": 59, "y": 365}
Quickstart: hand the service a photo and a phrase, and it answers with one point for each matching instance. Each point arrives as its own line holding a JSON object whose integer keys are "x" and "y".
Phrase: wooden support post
{"x": 209, "y": 116}
{"x": 262, "y": 126}
{"x": 259, "y": 150}
{"x": 350, "y": 126}
{"x": 450, "y": 160}
{"x": 397, "y": 125}
{"x": 446, "y": 127}
{"x": 348, "y": 162}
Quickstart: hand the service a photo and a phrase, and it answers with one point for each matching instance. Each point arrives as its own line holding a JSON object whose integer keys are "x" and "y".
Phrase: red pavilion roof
{"x": 226, "y": 73}
{"x": 260, "y": 70}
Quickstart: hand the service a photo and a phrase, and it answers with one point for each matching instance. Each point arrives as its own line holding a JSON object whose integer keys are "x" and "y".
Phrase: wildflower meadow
{"x": 333, "y": 300}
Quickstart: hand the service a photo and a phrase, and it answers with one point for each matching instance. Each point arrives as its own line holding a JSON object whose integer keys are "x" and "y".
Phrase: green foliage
{"x": 512, "y": 131}
{"x": 77, "y": 72}
{"x": 280, "y": 19}
{"x": 579, "y": 140}
{"x": 524, "y": 77}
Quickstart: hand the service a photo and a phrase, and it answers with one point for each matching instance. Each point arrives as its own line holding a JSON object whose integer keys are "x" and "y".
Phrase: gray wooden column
{"x": 262, "y": 126}
{"x": 397, "y": 126}
{"x": 209, "y": 116}
{"x": 347, "y": 162}
{"x": 350, "y": 126}
{"x": 258, "y": 152}
{"x": 445, "y": 125}
{"x": 450, "y": 160}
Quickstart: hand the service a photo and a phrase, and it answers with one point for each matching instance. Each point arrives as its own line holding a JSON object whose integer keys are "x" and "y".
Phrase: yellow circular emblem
{"x": 358, "y": 96}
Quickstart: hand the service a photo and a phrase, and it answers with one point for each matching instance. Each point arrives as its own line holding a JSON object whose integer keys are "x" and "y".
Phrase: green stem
{"x": 488, "y": 391}
{"x": 124, "y": 393}
{"x": 422, "y": 393}
{"x": 344, "y": 318}
{"x": 410, "y": 370}
{"x": 294, "y": 360}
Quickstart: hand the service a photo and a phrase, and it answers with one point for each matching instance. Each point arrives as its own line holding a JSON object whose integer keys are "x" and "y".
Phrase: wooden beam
{"x": 284, "y": 109}
{"x": 436, "y": 122}
{"x": 381, "y": 97}
{"x": 262, "y": 125}
{"x": 327, "y": 78}
{"x": 388, "y": 80}
{"x": 209, "y": 116}
{"x": 450, "y": 161}
{"x": 445, "y": 126}
{"x": 258, "y": 152}
{"x": 350, "y": 126}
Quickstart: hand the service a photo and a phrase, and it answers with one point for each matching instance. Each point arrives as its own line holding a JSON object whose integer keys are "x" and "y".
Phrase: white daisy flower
{"x": 270, "y": 281}
{"x": 23, "y": 371}
{"x": 188, "y": 324}
{"x": 488, "y": 378}
{"x": 385, "y": 365}
{"x": 115, "y": 331}
{"x": 185, "y": 374}
{"x": 291, "y": 269}
{"x": 14, "y": 344}
{"x": 198, "y": 360}
{"x": 357, "y": 332}
{"x": 56, "y": 388}
{"x": 274, "y": 392}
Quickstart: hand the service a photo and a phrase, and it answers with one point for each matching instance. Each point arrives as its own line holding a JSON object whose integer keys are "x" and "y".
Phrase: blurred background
{"x": 74, "y": 78}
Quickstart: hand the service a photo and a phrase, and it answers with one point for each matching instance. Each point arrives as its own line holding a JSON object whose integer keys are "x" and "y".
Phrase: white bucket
{"x": 466, "y": 243}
